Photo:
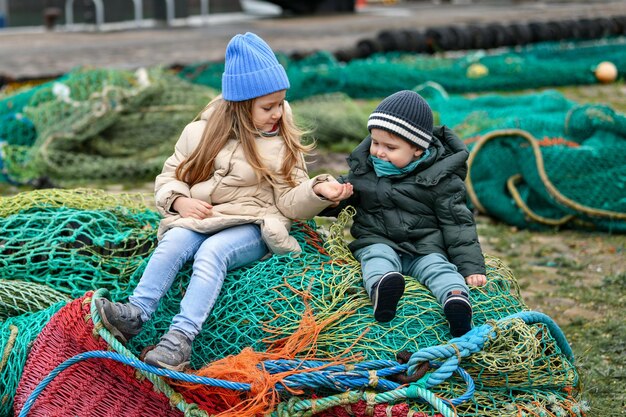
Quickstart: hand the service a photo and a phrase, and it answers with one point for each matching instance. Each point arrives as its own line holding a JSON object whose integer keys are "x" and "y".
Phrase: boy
{"x": 411, "y": 216}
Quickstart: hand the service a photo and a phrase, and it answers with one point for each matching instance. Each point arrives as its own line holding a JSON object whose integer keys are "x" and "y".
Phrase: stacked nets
{"x": 515, "y": 363}
{"x": 73, "y": 241}
{"x": 541, "y": 160}
{"x": 531, "y": 66}
{"x": 97, "y": 125}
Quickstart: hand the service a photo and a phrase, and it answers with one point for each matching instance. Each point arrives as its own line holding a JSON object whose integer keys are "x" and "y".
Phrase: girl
{"x": 227, "y": 195}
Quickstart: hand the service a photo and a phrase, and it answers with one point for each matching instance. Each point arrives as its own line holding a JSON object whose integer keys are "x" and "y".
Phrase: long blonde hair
{"x": 233, "y": 119}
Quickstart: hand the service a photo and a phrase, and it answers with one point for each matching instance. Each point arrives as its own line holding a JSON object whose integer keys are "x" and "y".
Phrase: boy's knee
{"x": 438, "y": 261}
{"x": 377, "y": 250}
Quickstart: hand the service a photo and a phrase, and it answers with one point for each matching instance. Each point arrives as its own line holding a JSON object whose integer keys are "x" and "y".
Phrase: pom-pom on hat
{"x": 407, "y": 115}
{"x": 251, "y": 69}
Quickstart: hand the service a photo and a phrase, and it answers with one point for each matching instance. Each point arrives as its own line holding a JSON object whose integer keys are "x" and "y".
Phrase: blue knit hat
{"x": 407, "y": 115}
{"x": 251, "y": 69}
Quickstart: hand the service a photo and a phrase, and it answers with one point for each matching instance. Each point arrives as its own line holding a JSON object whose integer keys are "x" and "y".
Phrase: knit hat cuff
{"x": 240, "y": 87}
{"x": 401, "y": 128}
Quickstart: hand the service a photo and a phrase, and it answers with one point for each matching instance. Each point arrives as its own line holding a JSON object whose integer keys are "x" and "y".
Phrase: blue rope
{"x": 131, "y": 362}
{"x": 338, "y": 377}
{"x": 473, "y": 342}
{"x": 531, "y": 317}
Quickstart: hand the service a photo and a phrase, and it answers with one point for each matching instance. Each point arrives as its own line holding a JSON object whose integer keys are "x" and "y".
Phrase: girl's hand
{"x": 476, "y": 280}
{"x": 192, "y": 207}
{"x": 333, "y": 191}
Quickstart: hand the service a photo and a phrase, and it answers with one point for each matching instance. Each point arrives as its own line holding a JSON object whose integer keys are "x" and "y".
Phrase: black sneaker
{"x": 458, "y": 311}
{"x": 123, "y": 320}
{"x": 385, "y": 296}
{"x": 172, "y": 352}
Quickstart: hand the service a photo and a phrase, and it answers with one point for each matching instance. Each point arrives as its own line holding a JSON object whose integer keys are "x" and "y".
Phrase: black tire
{"x": 416, "y": 41}
{"x": 463, "y": 39}
{"x": 347, "y": 54}
{"x": 521, "y": 33}
{"x": 541, "y": 32}
{"x": 606, "y": 27}
{"x": 555, "y": 30}
{"x": 589, "y": 29}
{"x": 391, "y": 40}
{"x": 500, "y": 35}
{"x": 480, "y": 37}
{"x": 441, "y": 38}
{"x": 368, "y": 47}
{"x": 567, "y": 29}
{"x": 620, "y": 22}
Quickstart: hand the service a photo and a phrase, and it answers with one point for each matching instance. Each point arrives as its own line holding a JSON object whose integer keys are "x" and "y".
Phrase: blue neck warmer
{"x": 387, "y": 169}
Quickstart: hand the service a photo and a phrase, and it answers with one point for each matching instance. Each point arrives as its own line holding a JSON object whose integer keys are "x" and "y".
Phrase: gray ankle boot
{"x": 172, "y": 352}
{"x": 123, "y": 320}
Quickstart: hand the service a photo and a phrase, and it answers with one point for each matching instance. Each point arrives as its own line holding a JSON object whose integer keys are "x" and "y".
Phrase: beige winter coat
{"x": 235, "y": 192}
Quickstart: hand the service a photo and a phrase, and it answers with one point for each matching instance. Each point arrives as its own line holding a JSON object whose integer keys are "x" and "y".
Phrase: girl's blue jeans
{"x": 214, "y": 255}
{"x": 434, "y": 271}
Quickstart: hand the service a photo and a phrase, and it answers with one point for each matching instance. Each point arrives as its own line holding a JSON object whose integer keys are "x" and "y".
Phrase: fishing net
{"x": 99, "y": 125}
{"x": 531, "y": 66}
{"x": 96, "y": 387}
{"x": 541, "y": 160}
{"x": 17, "y": 334}
{"x": 516, "y": 365}
{"x": 73, "y": 241}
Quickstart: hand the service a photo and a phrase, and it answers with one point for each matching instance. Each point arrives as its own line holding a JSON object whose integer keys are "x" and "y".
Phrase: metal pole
{"x": 99, "y": 13}
{"x": 69, "y": 12}
{"x": 138, "y": 12}
{"x": 169, "y": 4}
{"x": 204, "y": 7}
{"x": 4, "y": 11}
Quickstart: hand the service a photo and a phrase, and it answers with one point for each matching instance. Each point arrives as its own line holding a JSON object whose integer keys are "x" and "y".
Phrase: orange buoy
{"x": 477, "y": 70}
{"x": 606, "y": 72}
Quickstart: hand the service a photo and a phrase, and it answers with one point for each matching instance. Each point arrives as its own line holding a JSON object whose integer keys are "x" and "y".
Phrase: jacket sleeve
{"x": 300, "y": 202}
{"x": 334, "y": 211}
{"x": 166, "y": 186}
{"x": 458, "y": 228}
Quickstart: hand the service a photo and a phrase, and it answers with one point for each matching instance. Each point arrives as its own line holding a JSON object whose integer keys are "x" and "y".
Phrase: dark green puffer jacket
{"x": 418, "y": 213}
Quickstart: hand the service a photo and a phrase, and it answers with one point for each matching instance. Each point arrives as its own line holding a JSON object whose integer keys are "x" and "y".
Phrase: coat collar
{"x": 447, "y": 150}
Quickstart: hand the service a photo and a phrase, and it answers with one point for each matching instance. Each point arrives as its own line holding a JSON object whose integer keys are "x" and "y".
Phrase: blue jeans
{"x": 434, "y": 271}
{"x": 214, "y": 255}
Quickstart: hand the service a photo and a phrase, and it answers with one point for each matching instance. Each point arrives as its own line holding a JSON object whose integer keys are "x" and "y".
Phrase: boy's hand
{"x": 476, "y": 280}
{"x": 333, "y": 191}
{"x": 192, "y": 207}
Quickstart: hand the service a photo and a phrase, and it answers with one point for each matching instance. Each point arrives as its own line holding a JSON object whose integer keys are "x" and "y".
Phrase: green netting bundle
{"x": 531, "y": 66}
{"x": 102, "y": 125}
{"x": 332, "y": 120}
{"x": 54, "y": 242}
{"x": 541, "y": 160}
{"x": 17, "y": 334}
{"x": 20, "y": 297}
{"x": 76, "y": 241}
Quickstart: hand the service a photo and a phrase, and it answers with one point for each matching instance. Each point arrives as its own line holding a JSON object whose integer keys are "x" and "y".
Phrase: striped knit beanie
{"x": 407, "y": 115}
{"x": 251, "y": 69}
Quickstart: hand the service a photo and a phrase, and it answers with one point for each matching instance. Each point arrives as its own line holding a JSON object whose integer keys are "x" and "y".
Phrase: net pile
{"x": 533, "y": 66}
{"x": 541, "y": 160}
{"x": 96, "y": 124}
{"x": 519, "y": 366}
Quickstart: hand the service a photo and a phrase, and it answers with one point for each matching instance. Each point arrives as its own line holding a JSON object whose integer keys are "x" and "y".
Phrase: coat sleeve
{"x": 334, "y": 211}
{"x": 300, "y": 202}
{"x": 166, "y": 186}
{"x": 458, "y": 228}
